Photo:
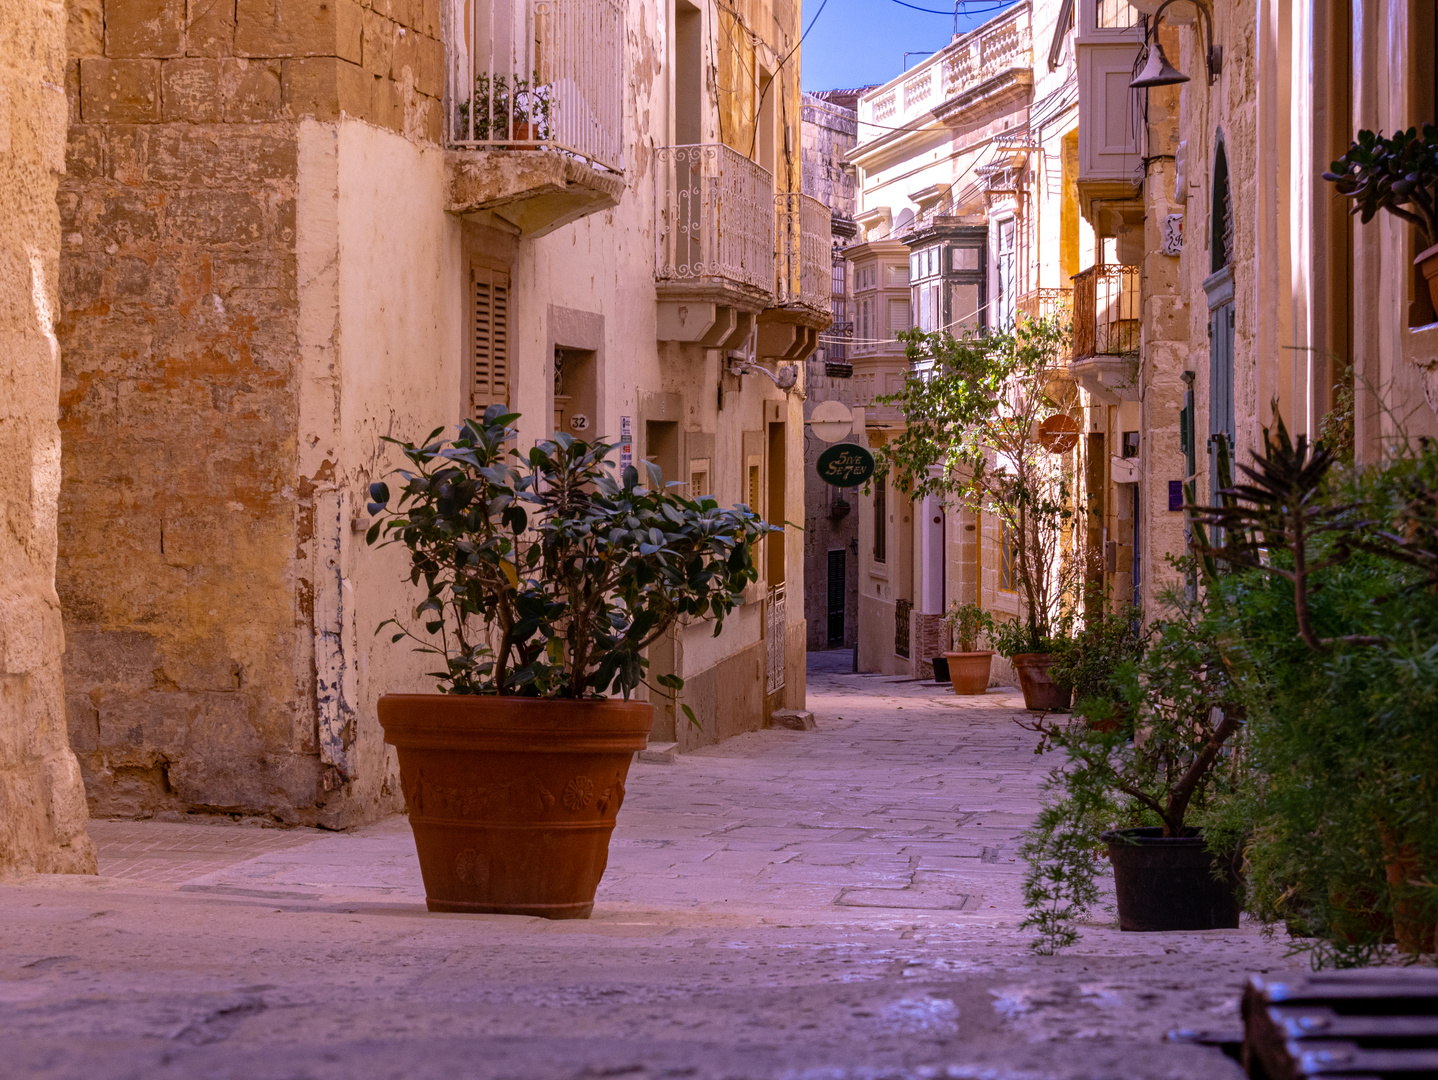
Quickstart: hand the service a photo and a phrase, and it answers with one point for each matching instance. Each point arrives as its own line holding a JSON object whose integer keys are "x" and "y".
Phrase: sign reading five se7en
{"x": 845, "y": 465}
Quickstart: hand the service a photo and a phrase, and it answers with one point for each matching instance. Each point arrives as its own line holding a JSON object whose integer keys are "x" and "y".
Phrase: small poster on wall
{"x": 626, "y": 443}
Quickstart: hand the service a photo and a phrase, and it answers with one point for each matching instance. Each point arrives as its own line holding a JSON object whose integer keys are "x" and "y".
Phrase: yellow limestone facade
{"x": 42, "y": 801}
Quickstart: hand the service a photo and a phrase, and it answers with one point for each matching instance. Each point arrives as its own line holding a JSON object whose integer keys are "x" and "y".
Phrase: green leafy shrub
{"x": 1398, "y": 174}
{"x": 548, "y": 573}
{"x": 1331, "y": 627}
{"x": 965, "y": 623}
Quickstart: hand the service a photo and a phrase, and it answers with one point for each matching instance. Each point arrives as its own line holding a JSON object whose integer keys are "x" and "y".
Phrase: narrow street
{"x": 826, "y": 904}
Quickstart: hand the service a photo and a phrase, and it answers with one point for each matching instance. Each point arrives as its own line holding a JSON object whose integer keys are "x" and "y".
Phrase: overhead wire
{"x": 955, "y": 11}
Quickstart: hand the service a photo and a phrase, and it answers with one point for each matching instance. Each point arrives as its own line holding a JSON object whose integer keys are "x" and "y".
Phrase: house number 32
{"x": 579, "y": 422}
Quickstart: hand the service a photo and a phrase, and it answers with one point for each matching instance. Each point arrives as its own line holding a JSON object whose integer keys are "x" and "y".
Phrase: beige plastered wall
{"x": 380, "y": 323}
{"x": 42, "y": 800}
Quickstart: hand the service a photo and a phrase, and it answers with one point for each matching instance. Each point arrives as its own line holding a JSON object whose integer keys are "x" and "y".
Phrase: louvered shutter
{"x": 489, "y": 368}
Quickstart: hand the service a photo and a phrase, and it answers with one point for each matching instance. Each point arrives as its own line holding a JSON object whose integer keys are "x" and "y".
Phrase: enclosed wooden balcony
{"x": 1106, "y": 321}
{"x": 535, "y": 127}
{"x": 714, "y": 243}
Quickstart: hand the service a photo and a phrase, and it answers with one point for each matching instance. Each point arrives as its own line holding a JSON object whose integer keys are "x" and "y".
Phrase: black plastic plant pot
{"x": 941, "y": 669}
{"x": 1168, "y": 883}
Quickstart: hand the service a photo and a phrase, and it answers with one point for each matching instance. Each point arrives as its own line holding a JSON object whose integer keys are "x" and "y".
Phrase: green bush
{"x": 548, "y": 574}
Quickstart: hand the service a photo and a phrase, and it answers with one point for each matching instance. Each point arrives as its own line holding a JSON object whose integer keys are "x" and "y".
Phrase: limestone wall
{"x": 206, "y": 514}
{"x": 42, "y": 801}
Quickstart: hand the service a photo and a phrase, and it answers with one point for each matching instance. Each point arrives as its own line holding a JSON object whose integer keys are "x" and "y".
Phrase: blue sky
{"x": 856, "y": 42}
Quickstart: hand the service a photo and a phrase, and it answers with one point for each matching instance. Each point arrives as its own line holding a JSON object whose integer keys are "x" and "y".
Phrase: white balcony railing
{"x": 803, "y": 252}
{"x": 539, "y": 74}
{"x": 999, "y": 49}
{"x": 1003, "y": 43}
{"x": 714, "y": 217}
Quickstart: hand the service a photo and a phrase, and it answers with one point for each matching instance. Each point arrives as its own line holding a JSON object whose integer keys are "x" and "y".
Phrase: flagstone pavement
{"x": 838, "y": 904}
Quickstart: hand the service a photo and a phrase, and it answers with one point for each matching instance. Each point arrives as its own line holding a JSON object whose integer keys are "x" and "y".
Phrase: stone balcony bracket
{"x": 535, "y": 191}
{"x": 1109, "y": 379}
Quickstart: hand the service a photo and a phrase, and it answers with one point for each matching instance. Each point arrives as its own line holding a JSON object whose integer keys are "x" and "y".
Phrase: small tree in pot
{"x": 973, "y": 407}
{"x": 969, "y": 666}
{"x": 1398, "y": 174}
{"x": 544, "y": 578}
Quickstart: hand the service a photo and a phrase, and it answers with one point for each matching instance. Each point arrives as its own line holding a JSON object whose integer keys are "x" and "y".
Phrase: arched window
{"x": 1219, "y": 287}
{"x": 1220, "y": 243}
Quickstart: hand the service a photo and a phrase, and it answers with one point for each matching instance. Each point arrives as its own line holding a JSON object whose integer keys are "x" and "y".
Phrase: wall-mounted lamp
{"x": 1157, "y": 71}
{"x": 785, "y": 378}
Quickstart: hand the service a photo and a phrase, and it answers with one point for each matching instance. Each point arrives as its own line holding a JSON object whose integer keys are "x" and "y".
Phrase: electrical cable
{"x": 961, "y": 4}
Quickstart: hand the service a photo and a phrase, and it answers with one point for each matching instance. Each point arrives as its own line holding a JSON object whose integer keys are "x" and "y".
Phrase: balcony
{"x": 1046, "y": 304}
{"x": 1106, "y": 316}
{"x": 990, "y": 65}
{"x": 714, "y": 244}
{"x": 535, "y": 124}
{"x": 803, "y": 279}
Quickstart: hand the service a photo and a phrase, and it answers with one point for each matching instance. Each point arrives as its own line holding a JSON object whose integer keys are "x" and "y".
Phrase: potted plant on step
{"x": 973, "y": 410}
{"x": 542, "y": 577}
{"x": 1398, "y": 174}
{"x": 969, "y": 667}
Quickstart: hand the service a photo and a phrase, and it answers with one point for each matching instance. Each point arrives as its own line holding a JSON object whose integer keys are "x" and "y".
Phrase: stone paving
{"x": 839, "y": 904}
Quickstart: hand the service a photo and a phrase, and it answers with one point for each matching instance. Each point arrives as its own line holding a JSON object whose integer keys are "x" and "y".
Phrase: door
{"x": 1220, "y": 389}
{"x": 837, "y": 582}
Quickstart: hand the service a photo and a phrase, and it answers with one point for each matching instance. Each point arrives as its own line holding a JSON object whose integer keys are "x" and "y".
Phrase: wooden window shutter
{"x": 489, "y": 367}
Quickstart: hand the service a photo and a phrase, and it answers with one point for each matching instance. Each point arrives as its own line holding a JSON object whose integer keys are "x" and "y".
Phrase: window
{"x": 753, "y": 488}
{"x": 1006, "y": 285}
{"x": 699, "y": 478}
{"x": 881, "y": 519}
{"x": 899, "y": 317}
{"x": 489, "y": 358}
{"x": 1220, "y": 214}
{"x": 966, "y": 258}
{"x": 1114, "y": 15}
{"x": 926, "y": 297}
{"x": 898, "y": 276}
{"x": 1008, "y": 559}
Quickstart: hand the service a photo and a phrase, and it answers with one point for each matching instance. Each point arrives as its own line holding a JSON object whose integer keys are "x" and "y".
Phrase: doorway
{"x": 838, "y": 576}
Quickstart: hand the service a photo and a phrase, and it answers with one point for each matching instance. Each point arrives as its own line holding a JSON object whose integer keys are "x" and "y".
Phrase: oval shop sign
{"x": 845, "y": 465}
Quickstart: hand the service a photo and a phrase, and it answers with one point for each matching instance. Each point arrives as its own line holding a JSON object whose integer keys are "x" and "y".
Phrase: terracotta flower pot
{"x": 1041, "y": 693}
{"x": 1412, "y": 932}
{"x": 1427, "y": 263}
{"x": 513, "y": 800}
{"x": 969, "y": 671}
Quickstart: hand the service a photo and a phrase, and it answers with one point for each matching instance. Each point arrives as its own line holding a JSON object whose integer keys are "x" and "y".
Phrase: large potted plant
{"x": 969, "y": 666}
{"x": 1398, "y": 174}
{"x": 1144, "y": 752}
{"x": 543, "y": 577}
{"x": 973, "y": 407}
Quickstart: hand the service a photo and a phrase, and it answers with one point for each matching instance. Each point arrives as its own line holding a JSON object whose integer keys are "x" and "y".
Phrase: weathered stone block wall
{"x": 42, "y": 801}
{"x": 185, "y": 569}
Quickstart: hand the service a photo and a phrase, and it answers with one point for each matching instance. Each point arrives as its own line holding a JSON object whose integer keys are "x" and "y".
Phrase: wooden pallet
{"x": 1369, "y": 1024}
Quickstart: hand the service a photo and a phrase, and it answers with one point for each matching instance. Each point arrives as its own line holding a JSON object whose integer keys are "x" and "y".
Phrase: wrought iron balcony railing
{"x": 1046, "y": 303}
{"x": 1106, "y": 311}
{"x": 714, "y": 211}
{"x": 803, "y": 252}
{"x": 538, "y": 74}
